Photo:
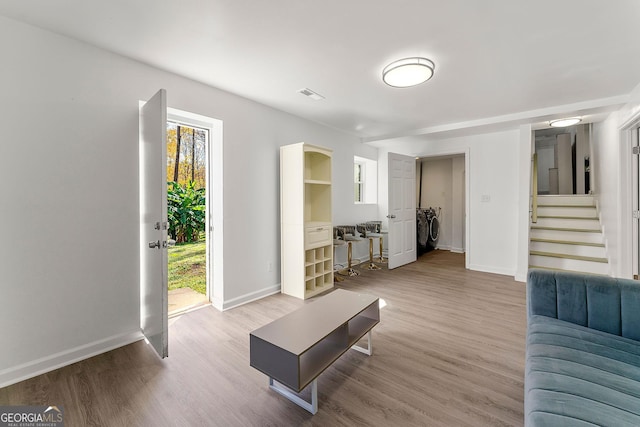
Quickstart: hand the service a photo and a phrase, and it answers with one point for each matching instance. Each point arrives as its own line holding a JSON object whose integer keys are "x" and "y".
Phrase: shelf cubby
{"x": 317, "y": 166}
{"x": 317, "y": 202}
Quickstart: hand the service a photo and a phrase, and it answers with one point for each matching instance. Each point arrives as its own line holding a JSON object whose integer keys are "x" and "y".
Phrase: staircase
{"x": 568, "y": 236}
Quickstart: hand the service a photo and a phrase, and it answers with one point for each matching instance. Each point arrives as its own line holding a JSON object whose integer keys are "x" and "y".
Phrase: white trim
{"x": 495, "y": 270}
{"x": 520, "y": 277}
{"x": 508, "y": 121}
{"x": 526, "y": 148}
{"x": 67, "y": 357}
{"x": 250, "y": 297}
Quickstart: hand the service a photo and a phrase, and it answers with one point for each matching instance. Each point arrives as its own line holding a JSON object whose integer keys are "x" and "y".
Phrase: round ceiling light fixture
{"x": 408, "y": 72}
{"x": 561, "y": 123}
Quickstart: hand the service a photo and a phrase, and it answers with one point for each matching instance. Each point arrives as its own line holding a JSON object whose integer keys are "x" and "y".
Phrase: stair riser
{"x": 562, "y": 211}
{"x": 569, "y": 264}
{"x": 590, "y": 251}
{"x": 572, "y": 236}
{"x": 590, "y": 224}
{"x": 566, "y": 200}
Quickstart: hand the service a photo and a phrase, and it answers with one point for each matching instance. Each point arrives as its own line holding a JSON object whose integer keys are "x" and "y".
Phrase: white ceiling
{"x": 497, "y": 61}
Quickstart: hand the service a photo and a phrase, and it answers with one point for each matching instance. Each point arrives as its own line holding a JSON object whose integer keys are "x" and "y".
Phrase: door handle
{"x": 155, "y": 244}
{"x": 391, "y": 216}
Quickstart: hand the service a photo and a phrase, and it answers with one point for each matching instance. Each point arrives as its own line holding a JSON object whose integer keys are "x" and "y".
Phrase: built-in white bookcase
{"x": 305, "y": 216}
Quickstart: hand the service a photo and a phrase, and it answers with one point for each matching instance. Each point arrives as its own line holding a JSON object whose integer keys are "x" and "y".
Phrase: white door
{"x": 402, "y": 210}
{"x": 154, "y": 292}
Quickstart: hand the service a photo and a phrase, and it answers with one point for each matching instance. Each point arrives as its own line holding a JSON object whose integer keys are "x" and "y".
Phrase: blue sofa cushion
{"x": 577, "y": 376}
{"x": 602, "y": 303}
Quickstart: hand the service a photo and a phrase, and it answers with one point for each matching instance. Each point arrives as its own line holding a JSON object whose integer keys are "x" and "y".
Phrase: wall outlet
{"x": 485, "y": 198}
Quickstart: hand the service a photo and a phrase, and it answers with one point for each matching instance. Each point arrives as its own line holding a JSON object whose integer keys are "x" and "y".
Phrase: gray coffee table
{"x": 295, "y": 349}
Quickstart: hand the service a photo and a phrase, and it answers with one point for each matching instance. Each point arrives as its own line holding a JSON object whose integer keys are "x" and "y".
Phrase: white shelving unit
{"x": 305, "y": 219}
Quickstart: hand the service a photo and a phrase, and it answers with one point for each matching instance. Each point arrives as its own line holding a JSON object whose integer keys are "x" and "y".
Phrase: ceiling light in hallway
{"x": 561, "y": 123}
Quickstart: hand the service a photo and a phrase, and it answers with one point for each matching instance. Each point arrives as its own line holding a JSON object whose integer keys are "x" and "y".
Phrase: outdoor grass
{"x": 187, "y": 265}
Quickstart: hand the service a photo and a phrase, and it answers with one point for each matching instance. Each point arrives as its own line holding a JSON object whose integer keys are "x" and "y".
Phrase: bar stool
{"x": 337, "y": 241}
{"x": 378, "y": 229}
{"x": 368, "y": 232}
{"x": 349, "y": 235}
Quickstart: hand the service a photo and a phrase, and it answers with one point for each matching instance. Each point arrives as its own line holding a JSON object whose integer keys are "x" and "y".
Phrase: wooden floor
{"x": 449, "y": 350}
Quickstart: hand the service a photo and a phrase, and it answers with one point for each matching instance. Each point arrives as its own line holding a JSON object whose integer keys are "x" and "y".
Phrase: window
{"x": 358, "y": 181}
{"x": 365, "y": 180}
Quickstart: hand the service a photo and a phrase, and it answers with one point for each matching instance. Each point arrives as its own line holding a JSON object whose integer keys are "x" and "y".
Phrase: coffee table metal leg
{"x": 369, "y": 350}
{"x": 293, "y": 396}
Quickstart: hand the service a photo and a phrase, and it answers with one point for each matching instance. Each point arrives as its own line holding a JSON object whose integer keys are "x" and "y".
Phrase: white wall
{"x": 546, "y": 161}
{"x": 605, "y": 163}
{"x": 69, "y": 258}
{"x": 494, "y": 171}
{"x": 582, "y": 151}
{"x": 565, "y": 167}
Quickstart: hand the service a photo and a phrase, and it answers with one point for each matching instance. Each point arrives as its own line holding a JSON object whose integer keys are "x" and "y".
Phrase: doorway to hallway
{"x": 441, "y": 203}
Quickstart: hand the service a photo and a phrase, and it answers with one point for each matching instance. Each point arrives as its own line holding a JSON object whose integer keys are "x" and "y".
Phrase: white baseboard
{"x": 458, "y": 250}
{"x": 491, "y": 269}
{"x": 520, "y": 278}
{"x": 45, "y": 364}
{"x": 252, "y": 296}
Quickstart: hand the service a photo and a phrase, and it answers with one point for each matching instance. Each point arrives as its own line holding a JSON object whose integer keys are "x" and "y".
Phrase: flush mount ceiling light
{"x": 561, "y": 123}
{"x": 408, "y": 72}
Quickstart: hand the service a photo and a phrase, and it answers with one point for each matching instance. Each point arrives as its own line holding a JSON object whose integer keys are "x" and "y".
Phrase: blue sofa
{"x": 583, "y": 350}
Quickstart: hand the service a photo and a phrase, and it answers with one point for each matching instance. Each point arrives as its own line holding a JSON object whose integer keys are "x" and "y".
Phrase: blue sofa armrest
{"x": 597, "y": 302}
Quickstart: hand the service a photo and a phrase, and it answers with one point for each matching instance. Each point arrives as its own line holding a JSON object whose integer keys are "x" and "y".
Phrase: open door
{"x": 153, "y": 222}
{"x": 402, "y": 209}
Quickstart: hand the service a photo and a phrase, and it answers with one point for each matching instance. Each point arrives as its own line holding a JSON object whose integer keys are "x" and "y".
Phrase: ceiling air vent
{"x": 311, "y": 94}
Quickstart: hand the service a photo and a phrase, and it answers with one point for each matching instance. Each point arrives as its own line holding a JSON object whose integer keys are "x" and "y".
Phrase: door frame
{"x": 467, "y": 205}
{"x": 635, "y": 188}
{"x": 214, "y": 199}
{"x": 628, "y": 242}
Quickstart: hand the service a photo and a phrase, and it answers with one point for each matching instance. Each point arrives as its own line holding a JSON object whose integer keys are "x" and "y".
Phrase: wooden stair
{"x": 568, "y": 236}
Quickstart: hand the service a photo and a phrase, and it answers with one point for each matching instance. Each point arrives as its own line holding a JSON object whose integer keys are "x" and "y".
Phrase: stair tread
{"x": 541, "y": 205}
{"x": 567, "y": 256}
{"x": 562, "y": 269}
{"x": 592, "y": 218}
{"x": 584, "y": 230}
{"x": 567, "y": 242}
